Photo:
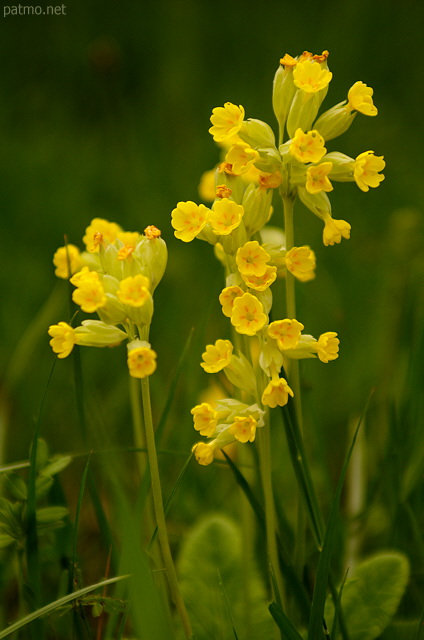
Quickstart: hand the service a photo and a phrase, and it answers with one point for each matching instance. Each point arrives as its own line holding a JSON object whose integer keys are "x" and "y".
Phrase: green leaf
{"x": 287, "y": 629}
{"x": 212, "y": 561}
{"x": 56, "y": 464}
{"x": 16, "y": 486}
{"x": 371, "y": 596}
{"x": 48, "y": 515}
{"x": 401, "y": 630}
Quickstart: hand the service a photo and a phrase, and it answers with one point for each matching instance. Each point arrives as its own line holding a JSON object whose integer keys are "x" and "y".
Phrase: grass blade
{"x": 286, "y": 627}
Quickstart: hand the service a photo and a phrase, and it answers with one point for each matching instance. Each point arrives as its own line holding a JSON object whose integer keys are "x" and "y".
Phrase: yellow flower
{"x": 134, "y": 290}
{"x": 141, "y": 362}
{"x": 225, "y": 216}
{"x": 285, "y": 332}
{"x": 226, "y": 121}
{"x": 252, "y": 259}
{"x": 222, "y": 191}
{"x": 227, "y": 297}
{"x": 244, "y": 428}
{"x": 307, "y": 147}
{"x": 203, "y": 453}
{"x": 335, "y": 230}
{"x": 241, "y": 157}
{"x": 248, "y": 315}
{"x": 63, "y": 339}
{"x": 260, "y": 283}
{"x": 99, "y": 230}
{"x": 276, "y": 393}
{"x": 360, "y": 99}
{"x": 217, "y": 356}
{"x": 188, "y": 219}
{"x": 327, "y": 346}
{"x": 366, "y": 170}
{"x": 129, "y": 237}
{"x": 270, "y": 180}
{"x": 152, "y": 233}
{"x": 207, "y": 186}
{"x": 300, "y": 261}
{"x": 205, "y": 419}
{"x": 66, "y": 258}
{"x": 310, "y": 77}
{"x": 84, "y": 274}
{"x": 89, "y": 294}
{"x": 316, "y": 178}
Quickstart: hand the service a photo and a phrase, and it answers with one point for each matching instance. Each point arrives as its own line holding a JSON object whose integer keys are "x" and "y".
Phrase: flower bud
{"x": 257, "y": 134}
{"x": 318, "y": 203}
{"x": 95, "y": 333}
{"x": 335, "y": 121}
{"x": 257, "y": 204}
{"x": 152, "y": 253}
{"x": 283, "y": 93}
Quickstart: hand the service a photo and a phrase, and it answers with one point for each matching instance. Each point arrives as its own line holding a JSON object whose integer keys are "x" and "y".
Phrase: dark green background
{"x": 104, "y": 112}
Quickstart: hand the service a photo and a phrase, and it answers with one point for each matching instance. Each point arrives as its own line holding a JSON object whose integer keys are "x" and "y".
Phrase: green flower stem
{"x": 294, "y": 374}
{"x": 138, "y": 430}
{"x": 159, "y": 510}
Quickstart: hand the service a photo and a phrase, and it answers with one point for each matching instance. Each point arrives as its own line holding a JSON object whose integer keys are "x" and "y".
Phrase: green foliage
{"x": 372, "y": 595}
{"x": 222, "y": 589}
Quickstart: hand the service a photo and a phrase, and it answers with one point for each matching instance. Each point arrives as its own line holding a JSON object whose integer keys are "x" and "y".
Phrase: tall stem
{"x": 159, "y": 510}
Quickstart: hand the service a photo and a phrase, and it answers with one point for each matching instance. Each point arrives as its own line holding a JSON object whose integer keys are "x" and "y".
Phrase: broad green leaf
{"x": 371, "y": 596}
{"x": 212, "y": 561}
{"x": 402, "y": 630}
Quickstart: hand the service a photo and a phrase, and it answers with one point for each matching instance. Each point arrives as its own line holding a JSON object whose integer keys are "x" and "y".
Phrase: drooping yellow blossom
{"x": 317, "y": 178}
{"x": 327, "y": 346}
{"x": 301, "y": 262}
{"x": 84, "y": 274}
{"x": 203, "y": 453}
{"x": 285, "y": 332}
{"x": 205, "y": 419}
{"x": 260, "y": 283}
{"x": 248, "y": 315}
{"x": 108, "y": 231}
{"x": 335, "y": 230}
{"x": 227, "y": 297}
{"x": 270, "y": 180}
{"x": 141, "y": 362}
{"x": 226, "y": 121}
{"x": 89, "y": 294}
{"x": 307, "y": 147}
{"x": 310, "y": 77}
{"x": 206, "y": 186}
{"x": 134, "y": 290}
{"x": 217, "y": 356}
{"x": 252, "y": 259}
{"x": 360, "y": 99}
{"x": 276, "y": 393}
{"x": 63, "y": 339}
{"x": 241, "y": 157}
{"x": 67, "y": 259}
{"x": 244, "y": 428}
{"x": 366, "y": 170}
{"x": 225, "y": 216}
{"x": 188, "y": 219}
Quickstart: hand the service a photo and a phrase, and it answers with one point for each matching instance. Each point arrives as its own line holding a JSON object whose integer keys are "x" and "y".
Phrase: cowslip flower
{"x": 205, "y": 419}
{"x": 248, "y": 315}
{"x": 227, "y": 297}
{"x": 244, "y": 428}
{"x": 99, "y": 230}
{"x": 217, "y": 356}
{"x": 307, "y": 147}
{"x": 141, "y": 360}
{"x": 285, "y": 332}
{"x": 366, "y": 170}
{"x": 276, "y": 393}
{"x": 327, "y": 346}
{"x": 225, "y": 216}
{"x": 301, "y": 262}
{"x": 203, "y": 452}
{"x": 91, "y": 333}
{"x": 252, "y": 259}
{"x": 317, "y": 178}
{"x": 188, "y": 220}
{"x": 241, "y": 157}
{"x": 67, "y": 261}
{"x": 226, "y": 121}
{"x": 134, "y": 290}
{"x": 89, "y": 294}
{"x": 310, "y": 77}
{"x": 360, "y": 99}
{"x": 335, "y": 230}
{"x": 63, "y": 339}
{"x": 261, "y": 283}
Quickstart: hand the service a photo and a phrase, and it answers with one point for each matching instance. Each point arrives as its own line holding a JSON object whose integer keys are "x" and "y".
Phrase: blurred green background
{"x": 105, "y": 112}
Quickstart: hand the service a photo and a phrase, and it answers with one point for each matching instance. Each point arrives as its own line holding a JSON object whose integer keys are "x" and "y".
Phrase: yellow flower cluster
{"x": 253, "y": 165}
{"x": 114, "y": 277}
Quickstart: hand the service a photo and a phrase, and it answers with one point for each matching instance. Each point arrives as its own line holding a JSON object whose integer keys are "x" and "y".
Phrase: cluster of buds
{"x": 240, "y": 189}
{"x": 114, "y": 277}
